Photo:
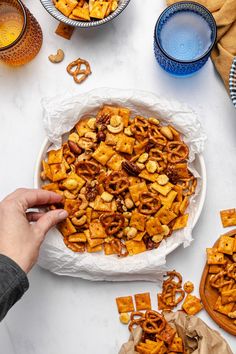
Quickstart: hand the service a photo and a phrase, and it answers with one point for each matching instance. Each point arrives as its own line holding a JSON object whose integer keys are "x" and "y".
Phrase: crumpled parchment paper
{"x": 60, "y": 115}
{"x": 198, "y": 338}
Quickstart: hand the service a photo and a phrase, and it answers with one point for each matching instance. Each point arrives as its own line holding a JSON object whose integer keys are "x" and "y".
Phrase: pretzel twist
{"x": 116, "y": 183}
{"x": 112, "y": 222}
{"x": 149, "y": 203}
{"x": 177, "y": 151}
{"x": 74, "y": 69}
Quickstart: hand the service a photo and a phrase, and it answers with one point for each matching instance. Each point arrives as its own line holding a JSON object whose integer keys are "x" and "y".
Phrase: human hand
{"x": 22, "y": 232}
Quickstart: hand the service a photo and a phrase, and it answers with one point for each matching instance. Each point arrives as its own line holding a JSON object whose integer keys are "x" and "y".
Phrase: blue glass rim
{"x": 214, "y": 32}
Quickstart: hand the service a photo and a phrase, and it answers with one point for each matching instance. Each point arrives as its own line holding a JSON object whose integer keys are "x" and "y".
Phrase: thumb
{"x": 48, "y": 220}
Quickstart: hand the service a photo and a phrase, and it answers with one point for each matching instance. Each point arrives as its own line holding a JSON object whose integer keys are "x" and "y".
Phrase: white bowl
{"x": 56, "y": 257}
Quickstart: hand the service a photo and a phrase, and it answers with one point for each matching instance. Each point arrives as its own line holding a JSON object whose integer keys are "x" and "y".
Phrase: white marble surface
{"x": 61, "y": 315}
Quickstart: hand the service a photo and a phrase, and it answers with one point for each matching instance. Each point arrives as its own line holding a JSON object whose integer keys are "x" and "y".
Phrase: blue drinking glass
{"x": 184, "y": 36}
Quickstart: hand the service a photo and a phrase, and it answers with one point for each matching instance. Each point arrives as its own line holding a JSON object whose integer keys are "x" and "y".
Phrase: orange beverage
{"x": 20, "y": 34}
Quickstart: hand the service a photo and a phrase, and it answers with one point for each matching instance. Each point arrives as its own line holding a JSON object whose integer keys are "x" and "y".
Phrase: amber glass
{"x": 18, "y": 25}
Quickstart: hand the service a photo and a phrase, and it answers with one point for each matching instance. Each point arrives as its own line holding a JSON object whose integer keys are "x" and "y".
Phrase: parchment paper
{"x": 60, "y": 115}
{"x": 198, "y": 338}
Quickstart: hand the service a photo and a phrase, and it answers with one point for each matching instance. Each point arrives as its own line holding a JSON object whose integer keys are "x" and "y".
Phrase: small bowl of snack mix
{"x": 84, "y": 13}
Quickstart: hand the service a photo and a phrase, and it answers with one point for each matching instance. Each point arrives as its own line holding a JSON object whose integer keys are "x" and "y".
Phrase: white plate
{"x": 56, "y": 257}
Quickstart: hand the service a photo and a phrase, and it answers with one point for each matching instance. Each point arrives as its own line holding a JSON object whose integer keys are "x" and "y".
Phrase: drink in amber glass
{"x": 20, "y": 34}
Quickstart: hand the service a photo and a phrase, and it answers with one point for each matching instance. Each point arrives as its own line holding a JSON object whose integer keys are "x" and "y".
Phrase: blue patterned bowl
{"x": 232, "y": 82}
{"x": 49, "y": 6}
{"x": 172, "y": 65}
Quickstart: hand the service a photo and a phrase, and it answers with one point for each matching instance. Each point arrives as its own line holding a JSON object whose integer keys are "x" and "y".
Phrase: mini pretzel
{"x": 149, "y": 203}
{"x": 83, "y": 73}
{"x": 119, "y": 248}
{"x": 116, "y": 183}
{"x": 156, "y": 136}
{"x": 174, "y": 301}
{"x": 112, "y": 222}
{"x": 231, "y": 271}
{"x": 137, "y": 315}
{"x": 217, "y": 280}
{"x": 173, "y": 274}
{"x": 135, "y": 323}
{"x": 140, "y": 127}
{"x": 177, "y": 151}
{"x": 154, "y": 322}
{"x": 87, "y": 168}
{"x": 158, "y": 155}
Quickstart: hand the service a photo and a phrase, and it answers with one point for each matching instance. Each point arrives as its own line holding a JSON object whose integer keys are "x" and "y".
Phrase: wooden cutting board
{"x": 209, "y": 296}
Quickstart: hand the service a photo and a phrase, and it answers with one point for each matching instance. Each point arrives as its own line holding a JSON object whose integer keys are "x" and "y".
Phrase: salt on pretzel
{"x": 74, "y": 69}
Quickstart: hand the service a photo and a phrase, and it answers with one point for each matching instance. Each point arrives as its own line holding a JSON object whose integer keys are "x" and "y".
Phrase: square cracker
{"x": 142, "y": 301}
{"x": 82, "y": 127}
{"x": 99, "y": 9}
{"x": 136, "y": 190}
{"x": 100, "y": 205}
{"x": 51, "y": 187}
{"x": 46, "y": 172}
{"x": 125, "y": 144}
{"x": 71, "y": 206}
{"x": 135, "y": 247}
{"x": 168, "y": 333}
{"x": 169, "y": 199}
{"x": 58, "y": 172}
{"x": 125, "y": 304}
{"x": 148, "y": 176}
{"x": 115, "y": 162}
{"x": 177, "y": 345}
{"x": 67, "y": 228}
{"x": 228, "y": 217}
{"x": 153, "y": 226}
{"x": 181, "y": 222}
{"x": 97, "y": 230}
{"x": 138, "y": 220}
{"x": 225, "y": 309}
{"x": 94, "y": 249}
{"x": 66, "y": 7}
{"x": 78, "y": 237}
{"x": 192, "y": 305}
{"x": 226, "y": 244}
{"x": 228, "y": 296}
{"x": 165, "y": 215}
{"x": 164, "y": 190}
{"x": 93, "y": 242}
{"x": 111, "y": 139}
{"x": 214, "y": 256}
{"x": 103, "y": 153}
{"x": 81, "y": 12}
{"x": 125, "y": 115}
{"x": 55, "y": 156}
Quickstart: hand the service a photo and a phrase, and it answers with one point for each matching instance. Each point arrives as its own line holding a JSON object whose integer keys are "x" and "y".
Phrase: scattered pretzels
{"x": 112, "y": 222}
{"x": 74, "y": 69}
{"x": 149, "y": 203}
{"x": 116, "y": 183}
{"x": 87, "y": 168}
{"x": 177, "y": 151}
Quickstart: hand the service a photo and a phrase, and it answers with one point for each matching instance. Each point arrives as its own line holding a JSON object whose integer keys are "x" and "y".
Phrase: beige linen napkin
{"x": 197, "y": 336}
{"x": 224, "y": 12}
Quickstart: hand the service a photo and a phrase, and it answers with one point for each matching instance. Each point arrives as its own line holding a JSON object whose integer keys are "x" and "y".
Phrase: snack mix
{"x": 222, "y": 270}
{"x": 157, "y": 335}
{"x": 125, "y": 182}
{"x": 86, "y": 10}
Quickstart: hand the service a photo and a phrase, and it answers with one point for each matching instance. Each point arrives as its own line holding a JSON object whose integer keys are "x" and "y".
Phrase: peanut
{"x": 165, "y": 229}
{"x": 167, "y": 132}
{"x": 154, "y": 120}
{"x": 157, "y": 238}
{"x": 70, "y": 184}
{"x": 107, "y": 197}
{"x": 151, "y": 166}
{"x": 128, "y": 132}
{"x": 129, "y": 203}
{"x": 91, "y": 123}
{"x": 115, "y": 121}
{"x": 140, "y": 165}
{"x": 132, "y": 232}
{"x": 85, "y": 143}
{"x": 124, "y": 318}
{"x": 91, "y": 135}
{"x": 162, "y": 179}
{"x": 143, "y": 158}
{"x": 114, "y": 5}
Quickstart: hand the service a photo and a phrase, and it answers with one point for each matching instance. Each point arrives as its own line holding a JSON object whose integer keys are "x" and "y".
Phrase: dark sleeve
{"x": 13, "y": 284}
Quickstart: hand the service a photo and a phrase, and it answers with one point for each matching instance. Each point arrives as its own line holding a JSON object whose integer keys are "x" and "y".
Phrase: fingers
{"x": 34, "y": 216}
{"x": 29, "y": 198}
{"x": 48, "y": 220}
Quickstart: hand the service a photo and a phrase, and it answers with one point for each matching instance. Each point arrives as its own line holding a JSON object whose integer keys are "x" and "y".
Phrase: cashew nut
{"x": 79, "y": 222}
{"x": 167, "y": 132}
{"x": 57, "y": 58}
{"x": 84, "y": 203}
{"x": 115, "y": 130}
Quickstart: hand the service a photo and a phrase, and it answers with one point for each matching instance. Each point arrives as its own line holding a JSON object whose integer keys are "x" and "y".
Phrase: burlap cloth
{"x": 198, "y": 338}
{"x": 224, "y": 12}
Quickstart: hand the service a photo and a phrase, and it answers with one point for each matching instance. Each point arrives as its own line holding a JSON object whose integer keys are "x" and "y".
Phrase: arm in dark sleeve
{"x": 13, "y": 284}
